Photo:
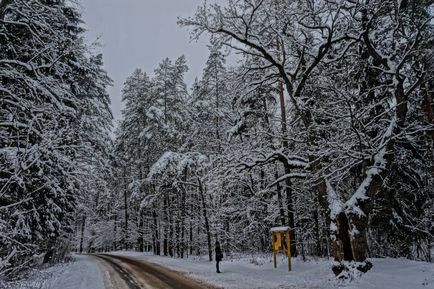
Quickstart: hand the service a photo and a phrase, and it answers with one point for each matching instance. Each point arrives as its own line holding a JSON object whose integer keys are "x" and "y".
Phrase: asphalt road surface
{"x": 130, "y": 273}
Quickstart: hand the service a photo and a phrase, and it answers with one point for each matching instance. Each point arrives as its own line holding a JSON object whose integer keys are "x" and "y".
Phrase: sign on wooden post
{"x": 277, "y": 234}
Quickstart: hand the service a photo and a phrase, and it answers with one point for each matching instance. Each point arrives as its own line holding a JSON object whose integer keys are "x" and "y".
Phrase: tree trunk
{"x": 115, "y": 228}
{"x": 290, "y": 209}
{"x": 156, "y": 234}
{"x": 351, "y": 240}
{"x": 183, "y": 213}
{"x": 280, "y": 200}
{"x": 172, "y": 228}
{"x": 345, "y": 251}
{"x": 126, "y": 213}
{"x": 359, "y": 239}
{"x": 227, "y": 229}
{"x": 140, "y": 240}
{"x": 427, "y": 100}
{"x": 191, "y": 229}
{"x": 205, "y": 216}
{"x": 217, "y": 103}
{"x": 83, "y": 224}
{"x": 318, "y": 251}
{"x": 166, "y": 225}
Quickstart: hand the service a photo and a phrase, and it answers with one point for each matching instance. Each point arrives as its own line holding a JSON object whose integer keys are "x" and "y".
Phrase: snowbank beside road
{"x": 258, "y": 273}
{"x": 82, "y": 273}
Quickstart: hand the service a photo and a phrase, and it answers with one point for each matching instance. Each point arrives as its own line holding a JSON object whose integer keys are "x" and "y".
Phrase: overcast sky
{"x": 139, "y": 34}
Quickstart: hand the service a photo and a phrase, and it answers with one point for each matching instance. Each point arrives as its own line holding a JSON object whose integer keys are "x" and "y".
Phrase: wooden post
{"x": 288, "y": 249}
{"x": 274, "y": 251}
{"x": 274, "y": 259}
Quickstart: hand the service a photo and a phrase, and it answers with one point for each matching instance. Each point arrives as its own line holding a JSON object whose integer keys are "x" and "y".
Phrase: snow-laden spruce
{"x": 54, "y": 122}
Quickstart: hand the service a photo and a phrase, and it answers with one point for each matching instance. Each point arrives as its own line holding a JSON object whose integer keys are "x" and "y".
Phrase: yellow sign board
{"x": 277, "y": 241}
{"x": 279, "y": 236}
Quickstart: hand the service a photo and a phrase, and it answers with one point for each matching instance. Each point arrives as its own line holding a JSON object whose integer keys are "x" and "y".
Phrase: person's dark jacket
{"x": 218, "y": 253}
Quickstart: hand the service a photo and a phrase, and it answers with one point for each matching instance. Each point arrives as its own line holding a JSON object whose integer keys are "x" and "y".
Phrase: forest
{"x": 322, "y": 121}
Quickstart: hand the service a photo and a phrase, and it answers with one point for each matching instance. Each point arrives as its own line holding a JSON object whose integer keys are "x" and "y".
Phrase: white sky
{"x": 139, "y": 34}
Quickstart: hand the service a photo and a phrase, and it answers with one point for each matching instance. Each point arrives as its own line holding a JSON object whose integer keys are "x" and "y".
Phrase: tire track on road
{"x": 123, "y": 273}
{"x": 139, "y": 274}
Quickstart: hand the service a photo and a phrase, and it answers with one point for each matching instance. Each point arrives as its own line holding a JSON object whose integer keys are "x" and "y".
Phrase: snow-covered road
{"x": 107, "y": 272}
{"x": 139, "y": 274}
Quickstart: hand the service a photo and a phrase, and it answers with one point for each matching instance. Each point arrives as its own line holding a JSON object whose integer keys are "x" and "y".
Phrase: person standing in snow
{"x": 218, "y": 255}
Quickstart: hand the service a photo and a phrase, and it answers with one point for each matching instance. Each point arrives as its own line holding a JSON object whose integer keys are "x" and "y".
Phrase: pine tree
{"x": 51, "y": 88}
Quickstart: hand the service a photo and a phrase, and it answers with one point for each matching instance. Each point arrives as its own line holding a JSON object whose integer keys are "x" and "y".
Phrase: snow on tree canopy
{"x": 177, "y": 163}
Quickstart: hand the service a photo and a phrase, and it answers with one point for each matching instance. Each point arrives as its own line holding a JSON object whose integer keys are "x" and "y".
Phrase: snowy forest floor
{"x": 256, "y": 271}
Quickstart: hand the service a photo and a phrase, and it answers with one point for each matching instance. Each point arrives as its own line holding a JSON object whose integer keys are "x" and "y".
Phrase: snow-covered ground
{"x": 252, "y": 272}
{"x": 256, "y": 272}
{"x": 82, "y": 273}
